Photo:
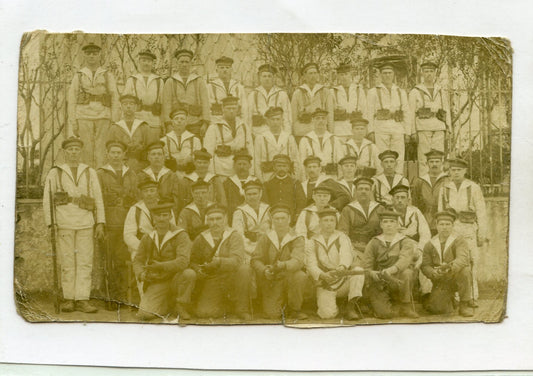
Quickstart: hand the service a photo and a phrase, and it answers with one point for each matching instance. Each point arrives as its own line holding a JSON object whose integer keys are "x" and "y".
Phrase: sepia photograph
{"x": 308, "y": 180}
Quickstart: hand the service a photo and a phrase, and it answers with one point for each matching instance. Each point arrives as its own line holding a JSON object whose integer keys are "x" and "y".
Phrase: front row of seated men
{"x": 210, "y": 277}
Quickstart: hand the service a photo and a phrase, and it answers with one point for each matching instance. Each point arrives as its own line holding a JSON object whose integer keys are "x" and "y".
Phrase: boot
{"x": 182, "y": 312}
{"x": 296, "y": 315}
{"x": 67, "y": 306}
{"x": 473, "y": 303}
{"x": 85, "y": 306}
{"x": 465, "y": 309}
{"x": 351, "y": 313}
{"x": 407, "y": 310}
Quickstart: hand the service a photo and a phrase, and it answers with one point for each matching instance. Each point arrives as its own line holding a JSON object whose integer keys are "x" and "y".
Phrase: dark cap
{"x": 267, "y": 68}
{"x": 216, "y": 208}
{"x": 162, "y": 206}
{"x": 327, "y": 212}
{"x": 129, "y": 96}
{"x": 252, "y": 184}
{"x": 147, "y": 183}
{"x": 434, "y": 154}
{"x": 230, "y": 100}
{"x": 202, "y": 154}
{"x": 457, "y": 162}
{"x": 281, "y": 158}
{"x": 385, "y": 66}
{"x": 388, "y": 154}
{"x": 109, "y": 144}
{"x": 449, "y": 214}
{"x": 179, "y": 110}
{"x": 348, "y": 159}
{"x": 344, "y": 68}
{"x": 312, "y": 159}
{"x": 429, "y": 64}
{"x": 321, "y": 188}
{"x": 273, "y": 111}
{"x": 363, "y": 180}
{"x": 308, "y": 66}
{"x": 183, "y": 51}
{"x": 319, "y": 112}
{"x": 242, "y": 154}
{"x": 276, "y": 208}
{"x": 200, "y": 184}
{"x": 155, "y": 145}
{"x": 399, "y": 188}
{"x": 72, "y": 141}
{"x": 224, "y": 60}
{"x": 147, "y": 53}
{"x": 358, "y": 120}
{"x": 388, "y": 213}
{"x": 91, "y": 47}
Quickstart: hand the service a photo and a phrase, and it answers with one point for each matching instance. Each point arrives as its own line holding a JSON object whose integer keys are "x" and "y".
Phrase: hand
{"x": 99, "y": 231}
{"x": 372, "y": 137}
{"x": 407, "y": 138}
{"x": 328, "y": 277}
{"x": 281, "y": 265}
{"x": 414, "y": 138}
{"x": 269, "y": 274}
{"x": 211, "y": 266}
{"x": 155, "y": 266}
{"x": 375, "y": 276}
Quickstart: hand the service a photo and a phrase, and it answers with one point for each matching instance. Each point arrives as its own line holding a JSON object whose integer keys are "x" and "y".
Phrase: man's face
{"x": 72, "y": 153}
{"x": 363, "y": 191}
{"x": 359, "y": 131}
{"x": 266, "y": 79}
{"x": 445, "y": 227}
{"x": 311, "y": 77}
{"x": 345, "y": 78}
{"x": 389, "y": 165}
{"x": 281, "y": 221}
{"x": 252, "y": 196}
{"x": 183, "y": 64}
{"x": 229, "y": 111}
{"x": 389, "y": 226}
{"x": 216, "y": 221}
{"x": 400, "y": 200}
{"x": 348, "y": 170}
{"x": 321, "y": 123}
{"x": 281, "y": 168}
{"x": 115, "y": 155}
{"x": 429, "y": 75}
{"x": 387, "y": 76}
{"x": 312, "y": 171}
{"x": 200, "y": 196}
{"x": 435, "y": 165}
{"x": 201, "y": 165}
{"x": 328, "y": 223}
{"x": 146, "y": 64}
{"x": 161, "y": 219}
{"x": 156, "y": 157}
{"x": 321, "y": 199}
{"x": 129, "y": 106}
{"x": 241, "y": 166}
{"x": 457, "y": 173}
{"x": 224, "y": 72}
{"x": 92, "y": 57}
{"x": 275, "y": 122}
{"x": 179, "y": 122}
{"x": 149, "y": 195}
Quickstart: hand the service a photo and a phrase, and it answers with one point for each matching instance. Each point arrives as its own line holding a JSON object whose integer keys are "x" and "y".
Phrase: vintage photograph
{"x": 299, "y": 179}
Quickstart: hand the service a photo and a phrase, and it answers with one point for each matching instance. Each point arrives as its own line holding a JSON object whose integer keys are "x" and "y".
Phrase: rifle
{"x": 104, "y": 244}
{"x": 57, "y": 307}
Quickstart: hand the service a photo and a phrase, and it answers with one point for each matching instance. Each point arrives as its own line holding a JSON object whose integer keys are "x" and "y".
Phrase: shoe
{"x": 67, "y": 306}
{"x": 182, "y": 312}
{"x": 85, "y": 306}
{"x": 473, "y": 303}
{"x": 296, "y": 315}
{"x": 407, "y": 310}
{"x": 350, "y": 312}
{"x": 465, "y": 309}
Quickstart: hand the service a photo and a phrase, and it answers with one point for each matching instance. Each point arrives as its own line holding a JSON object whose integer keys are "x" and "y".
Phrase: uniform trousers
{"x": 382, "y": 293}
{"x": 160, "y": 298}
{"x": 392, "y": 141}
{"x": 289, "y": 287}
{"x": 326, "y": 299}
{"x": 75, "y": 251}
{"x": 440, "y": 300}
{"x": 428, "y": 140}
{"x": 118, "y": 265}
{"x": 93, "y": 132}
{"x": 219, "y": 289}
{"x": 469, "y": 232}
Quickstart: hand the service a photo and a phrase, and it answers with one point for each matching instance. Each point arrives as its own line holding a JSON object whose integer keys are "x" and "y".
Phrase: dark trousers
{"x": 289, "y": 289}
{"x": 382, "y": 294}
{"x": 215, "y": 292}
{"x": 440, "y": 300}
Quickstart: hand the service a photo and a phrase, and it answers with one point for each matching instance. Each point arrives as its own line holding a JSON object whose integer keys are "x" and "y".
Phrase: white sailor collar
{"x": 282, "y": 139}
{"x": 313, "y": 136}
{"x": 111, "y": 169}
{"x": 315, "y": 89}
{"x": 89, "y": 73}
{"x": 193, "y": 176}
{"x": 256, "y": 216}
{"x": 193, "y": 207}
{"x": 142, "y": 205}
{"x": 273, "y": 90}
{"x": 395, "y": 180}
{"x": 464, "y": 184}
{"x": 321, "y": 178}
{"x": 136, "y": 124}
{"x": 423, "y": 87}
{"x": 436, "y": 243}
{"x": 193, "y": 76}
{"x": 169, "y": 235}
{"x": 209, "y": 237}
{"x": 148, "y": 171}
{"x": 426, "y": 178}
{"x": 357, "y": 206}
{"x": 319, "y": 238}
{"x": 140, "y": 78}
{"x": 174, "y": 137}
{"x": 397, "y": 238}
{"x": 235, "y": 179}
{"x": 273, "y": 236}
{"x": 66, "y": 168}
{"x": 364, "y": 143}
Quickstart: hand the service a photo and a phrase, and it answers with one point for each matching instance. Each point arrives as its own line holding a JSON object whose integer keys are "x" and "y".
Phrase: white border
{"x": 412, "y": 347}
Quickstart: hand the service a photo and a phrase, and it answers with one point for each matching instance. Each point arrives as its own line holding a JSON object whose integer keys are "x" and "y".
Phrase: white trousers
{"x": 428, "y": 140}
{"x": 469, "y": 232}
{"x": 327, "y": 300}
{"x": 392, "y": 141}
